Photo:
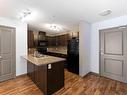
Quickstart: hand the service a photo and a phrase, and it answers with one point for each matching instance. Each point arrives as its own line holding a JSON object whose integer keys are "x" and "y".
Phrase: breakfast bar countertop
{"x": 60, "y": 50}
{"x": 42, "y": 60}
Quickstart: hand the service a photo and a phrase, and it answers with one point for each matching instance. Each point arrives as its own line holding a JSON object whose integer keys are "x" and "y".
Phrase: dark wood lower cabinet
{"x": 55, "y": 78}
{"x": 30, "y": 70}
{"x": 48, "y": 80}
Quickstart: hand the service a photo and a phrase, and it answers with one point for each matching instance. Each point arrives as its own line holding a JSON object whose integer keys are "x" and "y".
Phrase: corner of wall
{"x": 84, "y": 47}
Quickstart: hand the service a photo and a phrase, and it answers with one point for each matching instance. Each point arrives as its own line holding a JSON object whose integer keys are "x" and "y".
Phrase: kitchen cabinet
{"x": 60, "y": 40}
{"x": 49, "y": 77}
{"x": 72, "y": 35}
{"x": 30, "y": 39}
{"x": 35, "y": 37}
{"x": 54, "y": 41}
{"x": 30, "y": 70}
{"x": 51, "y": 41}
{"x": 41, "y": 36}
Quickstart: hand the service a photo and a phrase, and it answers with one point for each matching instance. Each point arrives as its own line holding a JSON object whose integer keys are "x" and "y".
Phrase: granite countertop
{"x": 61, "y": 50}
{"x": 43, "y": 60}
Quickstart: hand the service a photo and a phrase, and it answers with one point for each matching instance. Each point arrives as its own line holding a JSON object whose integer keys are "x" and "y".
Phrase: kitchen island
{"x": 46, "y": 72}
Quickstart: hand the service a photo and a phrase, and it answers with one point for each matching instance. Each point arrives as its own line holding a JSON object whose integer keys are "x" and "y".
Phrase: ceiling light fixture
{"x": 105, "y": 12}
{"x": 54, "y": 27}
{"x": 24, "y": 14}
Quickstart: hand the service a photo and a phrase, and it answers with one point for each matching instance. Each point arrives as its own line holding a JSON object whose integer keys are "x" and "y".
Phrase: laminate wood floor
{"x": 74, "y": 85}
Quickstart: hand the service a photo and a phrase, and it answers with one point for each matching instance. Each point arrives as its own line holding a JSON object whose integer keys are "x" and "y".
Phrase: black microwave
{"x": 42, "y": 43}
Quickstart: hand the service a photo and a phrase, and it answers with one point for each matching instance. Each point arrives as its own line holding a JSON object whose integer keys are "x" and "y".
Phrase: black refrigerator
{"x": 73, "y": 55}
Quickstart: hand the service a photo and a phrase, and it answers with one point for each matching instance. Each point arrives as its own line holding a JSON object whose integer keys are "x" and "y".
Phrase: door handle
{"x": 0, "y": 57}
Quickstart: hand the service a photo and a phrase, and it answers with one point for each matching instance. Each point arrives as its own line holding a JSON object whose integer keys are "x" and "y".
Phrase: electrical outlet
{"x": 49, "y": 66}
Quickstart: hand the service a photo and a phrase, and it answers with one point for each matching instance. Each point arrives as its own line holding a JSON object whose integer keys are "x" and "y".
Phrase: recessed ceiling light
{"x": 105, "y": 12}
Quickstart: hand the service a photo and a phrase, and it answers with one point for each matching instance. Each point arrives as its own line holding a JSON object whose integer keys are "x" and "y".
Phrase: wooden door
{"x": 7, "y": 53}
{"x": 113, "y": 54}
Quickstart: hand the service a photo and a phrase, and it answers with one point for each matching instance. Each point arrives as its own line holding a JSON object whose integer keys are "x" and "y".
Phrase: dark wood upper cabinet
{"x": 42, "y": 36}
{"x": 49, "y": 39}
{"x": 72, "y": 35}
{"x": 30, "y": 39}
{"x": 75, "y": 34}
{"x": 60, "y": 40}
{"x": 35, "y": 39}
{"x": 63, "y": 40}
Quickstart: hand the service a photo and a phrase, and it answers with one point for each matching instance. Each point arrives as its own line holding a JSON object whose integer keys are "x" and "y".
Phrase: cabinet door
{"x": 30, "y": 70}
{"x": 53, "y": 41}
{"x": 42, "y": 36}
{"x": 49, "y": 39}
{"x": 73, "y": 34}
{"x": 56, "y": 40}
{"x": 62, "y": 40}
{"x": 70, "y": 35}
{"x": 30, "y": 39}
{"x": 36, "y": 76}
{"x": 55, "y": 77}
{"x": 65, "y": 39}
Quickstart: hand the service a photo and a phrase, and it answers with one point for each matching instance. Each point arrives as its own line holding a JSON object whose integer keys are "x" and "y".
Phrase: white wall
{"x": 119, "y": 21}
{"x": 84, "y": 48}
{"x": 21, "y": 43}
{"x": 86, "y": 43}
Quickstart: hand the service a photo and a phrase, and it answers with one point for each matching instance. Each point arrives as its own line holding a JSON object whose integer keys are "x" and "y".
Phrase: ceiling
{"x": 68, "y": 13}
